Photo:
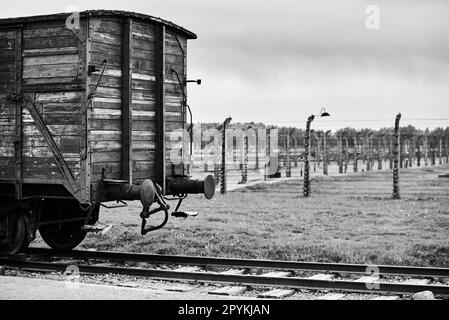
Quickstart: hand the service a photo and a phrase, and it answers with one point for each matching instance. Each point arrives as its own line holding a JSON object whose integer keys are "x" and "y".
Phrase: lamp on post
{"x": 323, "y": 113}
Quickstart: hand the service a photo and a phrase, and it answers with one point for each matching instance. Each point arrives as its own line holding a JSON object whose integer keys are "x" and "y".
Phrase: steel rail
{"x": 290, "y": 282}
{"x": 248, "y": 263}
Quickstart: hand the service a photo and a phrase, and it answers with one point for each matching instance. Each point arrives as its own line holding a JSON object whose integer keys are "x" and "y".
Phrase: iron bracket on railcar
{"x": 149, "y": 193}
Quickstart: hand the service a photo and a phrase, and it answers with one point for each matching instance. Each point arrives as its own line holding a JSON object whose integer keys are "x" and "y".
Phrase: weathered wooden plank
{"x": 7, "y": 78}
{"x": 70, "y": 144}
{"x": 178, "y": 119}
{"x": 36, "y": 152}
{"x": 113, "y": 156}
{"x": 7, "y": 172}
{"x": 53, "y": 97}
{"x": 143, "y": 145}
{"x": 6, "y": 67}
{"x": 173, "y": 88}
{"x": 144, "y": 75}
{"x": 50, "y": 42}
{"x": 107, "y": 81}
{"x": 48, "y": 71}
{"x": 51, "y": 60}
{"x": 43, "y": 173}
{"x": 108, "y": 135}
{"x": 146, "y": 95}
{"x": 96, "y": 177}
{"x": 4, "y": 35}
{"x": 108, "y": 92}
{"x": 48, "y": 162}
{"x": 7, "y": 151}
{"x": 112, "y": 72}
{"x": 55, "y": 130}
{"x": 62, "y": 108}
{"x": 144, "y": 165}
{"x": 143, "y": 64}
{"x": 143, "y": 174}
{"x": 106, "y": 114}
{"x": 107, "y": 38}
{"x": 144, "y": 115}
{"x": 104, "y": 124}
{"x": 7, "y": 44}
{"x": 170, "y": 126}
{"x": 113, "y": 60}
{"x": 171, "y": 39}
{"x": 7, "y": 107}
{"x": 139, "y": 125}
{"x": 43, "y": 24}
{"x": 143, "y": 31}
{"x": 149, "y": 85}
{"x": 173, "y": 98}
{"x": 110, "y": 167}
{"x": 143, "y": 44}
{"x": 55, "y": 31}
{"x": 177, "y": 60}
{"x": 53, "y": 83}
{"x": 107, "y": 103}
{"x": 7, "y": 141}
{"x": 105, "y": 145}
{"x": 6, "y": 130}
{"x": 50, "y": 51}
{"x": 144, "y": 54}
{"x": 174, "y": 49}
{"x": 149, "y": 105}
{"x": 106, "y": 48}
{"x": 171, "y": 76}
{"x": 6, "y": 161}
{"x": 36, "y": 141}
{"x": 144, "y": 136}
{"x": 144, "y": 155}
{"x": 7, "y": 55}
{"x": 7, "y": 121}
{"x": 104, "y": 25}
{"x": 63, "y": 119}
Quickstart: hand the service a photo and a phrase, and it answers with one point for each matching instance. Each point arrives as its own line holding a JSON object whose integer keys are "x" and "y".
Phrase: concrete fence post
{"x": 396, "y": 155}
{"x": 339, "y": 154}
{"x": 223, "y": 186}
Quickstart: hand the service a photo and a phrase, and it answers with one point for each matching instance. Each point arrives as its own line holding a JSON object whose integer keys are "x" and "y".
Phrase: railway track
{"x": 382, "y": 279}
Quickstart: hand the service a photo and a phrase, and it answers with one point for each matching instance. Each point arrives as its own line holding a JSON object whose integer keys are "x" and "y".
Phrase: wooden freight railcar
{"x": 87, "y": 104}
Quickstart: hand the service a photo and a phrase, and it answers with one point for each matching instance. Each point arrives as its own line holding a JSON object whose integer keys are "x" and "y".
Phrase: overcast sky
{"x": 279, "y": 61}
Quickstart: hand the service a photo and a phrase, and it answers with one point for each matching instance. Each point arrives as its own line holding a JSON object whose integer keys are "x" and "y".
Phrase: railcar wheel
{"x": 62, "y": 235}
{"x": 66, "y": 238}
{"x": 18, "y": 240}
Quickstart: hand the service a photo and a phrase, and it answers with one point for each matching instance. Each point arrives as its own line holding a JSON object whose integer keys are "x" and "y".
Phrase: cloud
{"x": 284, "y": 59}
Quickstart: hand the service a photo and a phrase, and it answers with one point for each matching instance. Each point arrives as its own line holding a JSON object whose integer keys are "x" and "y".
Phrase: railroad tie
{"x": 386, "y": 298}
{"x": 367, "y": 279}
{"x": 187, "y": 269}
{"x": 182, "y": 288}
{"x": 332, "y": 296}
{"x": 321, "y": 276}
{"x": 419, "y": 282}
{"x": 277, "y": 274}
{"x": 277, "y": 294}
{"x": 229, "y": 290}
{"x": 233, "y": 271}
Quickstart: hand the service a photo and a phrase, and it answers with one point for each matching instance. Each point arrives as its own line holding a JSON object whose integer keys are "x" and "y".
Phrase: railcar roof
{"x": 99, "y": 13}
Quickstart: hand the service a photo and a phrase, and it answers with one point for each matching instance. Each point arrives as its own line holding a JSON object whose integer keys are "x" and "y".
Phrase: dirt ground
{"x": 348, "y": 218}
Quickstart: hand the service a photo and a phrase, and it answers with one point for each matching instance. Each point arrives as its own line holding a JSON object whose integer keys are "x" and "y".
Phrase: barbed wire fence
{"x": 253, "y": 152}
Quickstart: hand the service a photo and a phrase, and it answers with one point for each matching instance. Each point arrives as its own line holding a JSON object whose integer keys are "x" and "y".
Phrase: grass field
{"x": 349, "y": 218}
